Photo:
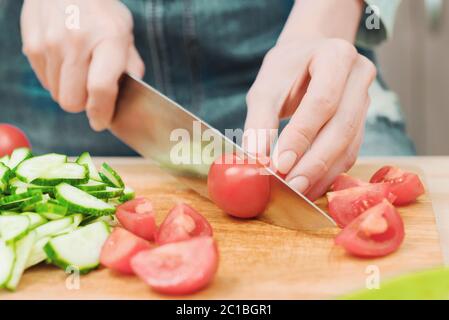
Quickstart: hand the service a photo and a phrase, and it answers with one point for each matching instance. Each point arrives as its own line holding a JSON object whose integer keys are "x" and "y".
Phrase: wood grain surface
{"x": 258, "y": 261}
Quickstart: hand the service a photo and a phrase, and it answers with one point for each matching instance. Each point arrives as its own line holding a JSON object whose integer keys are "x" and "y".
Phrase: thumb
{"x": 261, "y": 127}
{"x": 135, "y": 65}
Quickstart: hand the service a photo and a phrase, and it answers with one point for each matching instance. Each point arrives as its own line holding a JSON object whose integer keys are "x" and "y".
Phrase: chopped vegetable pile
{"x": 54, "y": 210}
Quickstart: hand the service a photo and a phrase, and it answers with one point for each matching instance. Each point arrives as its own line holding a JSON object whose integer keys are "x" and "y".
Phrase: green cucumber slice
{"x": 13, "y": 227}
{"x": 71, "y": 173}
{"x": 16, "y": 186}
{"x": 22, "y": 250}
{"x": 77, "y": 219}
{"x": 36, "y": 220}
{"x": 18, "y": 156}
{"x": 109, "y": 192}
{"x": 5, "y": 160}
{"x": 79, "y": 249}
{"x": 7, "y": 258}
{"x": 33, "y": 168}
{"x": 53, "y": 227}
{"x": 110, "y": 220}
{"x": 51, "y": 207}
{"x": 92, "y": 185}
{"x": 80, "y": 201}
{"x": 16, "y": 200}
{"x": 37, "y": 254}
{"x": 86, "y": 159}
{"x": 5, "y": 173}
{"x": 128, "y": 194}
{"x": 29, "y": 204}
{"x": 110, "y": 176}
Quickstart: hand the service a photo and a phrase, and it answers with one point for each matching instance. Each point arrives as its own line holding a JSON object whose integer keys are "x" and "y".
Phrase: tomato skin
{"x": 137, "y": 216}
{"x": 178, "y": 268}
{"x": 346, "y": 205}
{"x": 406, "y": 186}
{"x": 119, "y": 248}
{"x": 11, "y": 138}
{"x": 345, "y": 181}
{"x": 358, "y": 243}
{"x": 239, "y": 189}
{"x": 182, "y": 223}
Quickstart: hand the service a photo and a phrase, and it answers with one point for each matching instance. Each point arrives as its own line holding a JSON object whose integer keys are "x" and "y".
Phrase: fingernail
{"x": 300, "y": 184}
{"x": 96, "y": 125}
{"x": 286, "y": 161}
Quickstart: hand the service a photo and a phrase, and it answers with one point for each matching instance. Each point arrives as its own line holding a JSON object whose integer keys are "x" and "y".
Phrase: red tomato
{"x": 345, "y": 181}
{"x": 178, "y": 268}
{"x": 119, "y": 248}
{"x": 406, "y": 186}
{"x": 238, "y": 187}
{"x": 377, "y": 232}
{"x": 348, "y": 204}
{"x": 182, "y": 223}
{"x": 11, "y": 138}
{"x": 137, "y": 216}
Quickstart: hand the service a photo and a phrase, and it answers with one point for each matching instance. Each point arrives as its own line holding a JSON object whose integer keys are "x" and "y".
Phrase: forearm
{"x": 323, "y": 18}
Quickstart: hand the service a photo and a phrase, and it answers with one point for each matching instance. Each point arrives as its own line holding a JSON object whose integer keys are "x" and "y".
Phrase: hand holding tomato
{"x": 11, "y": 138}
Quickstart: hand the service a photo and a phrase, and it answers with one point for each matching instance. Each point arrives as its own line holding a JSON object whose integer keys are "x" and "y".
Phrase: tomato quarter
{"x": 137, "y": 216}
{"x": 406, "y": 186}
{"x": 238, "y": 187}
{"x": 345, "y": 181}
{"x": 348, "y": 204}
{"x": 11, "y": 138}
{"x": 178, "y": 268}
{"x": 183, "y": 223}
{"x": 119, "y": 248}
{"x": 377, "y": 232}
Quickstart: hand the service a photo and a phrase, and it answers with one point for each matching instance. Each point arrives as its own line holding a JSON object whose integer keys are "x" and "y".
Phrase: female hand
{"x": 81, "y": 64}
{"x": 323, "y": 85}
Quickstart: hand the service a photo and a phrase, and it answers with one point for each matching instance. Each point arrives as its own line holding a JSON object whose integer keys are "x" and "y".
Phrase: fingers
{"x": 339, "y": 133}
{"x": 135, "y": 66}
{"x": 342, "y": 165}
{"x": 329, "y": 71}
{"x": 109, "y": 60}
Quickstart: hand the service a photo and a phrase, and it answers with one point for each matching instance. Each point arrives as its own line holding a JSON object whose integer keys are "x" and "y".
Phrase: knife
{"x": 154, "y": 126}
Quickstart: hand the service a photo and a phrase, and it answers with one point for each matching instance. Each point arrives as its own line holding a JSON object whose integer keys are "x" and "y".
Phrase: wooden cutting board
{"x": 258, "y": 261}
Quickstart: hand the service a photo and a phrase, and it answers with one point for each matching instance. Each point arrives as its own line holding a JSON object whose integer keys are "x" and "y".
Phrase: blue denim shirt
{"x": 205, "y": 54}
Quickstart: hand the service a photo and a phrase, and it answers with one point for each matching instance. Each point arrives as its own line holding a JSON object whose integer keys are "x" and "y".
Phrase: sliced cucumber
{"x": 15, "y": 201}
{"x": 37, "y": 254}
{"x": 36, "y": 220}
{"x": 80, "y": 201}
{"x": 110, "y": 176}
{"x": 86, "y": 159}
{"x": 109, "y": 192}
{"x": 22, "y": 251}
{"x": 18, "y": 156}
{"x": 33, "y": 168}
{"x": 13, "y": 227}
{"x": 77, "y": 219}
{"x": 110, "y": 220}
{"x": 29, "y": 204}
{"x": 16, "y": 186}
{"x": 7, "y": 258}
{"x": 5, "y": 173}
{"x": 92, "y": 185}
{"x": 128, "y": 194}
{"x": 5, "y": 160}
{"x": 71, "y": 173}
{"x": 79, "y": 249}
{"x": 53, "y": 227}
{"x": 51, "y": 207}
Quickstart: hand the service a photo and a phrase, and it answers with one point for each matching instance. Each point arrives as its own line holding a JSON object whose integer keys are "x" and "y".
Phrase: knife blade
{"x": 156, "y": 127}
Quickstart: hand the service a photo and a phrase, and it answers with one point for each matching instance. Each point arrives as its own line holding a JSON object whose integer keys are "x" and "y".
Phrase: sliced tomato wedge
{"x": 178, "y": 268}
{"x": 137, "y": 216}
{"x": 345, "y": 181}
{"x": 119, "y": 248}
{"x": 406, "y": 186}
{"x": 377, "y": 232}
{"x": 182, "y": 223}
{"x": 346, "y": 205}
{"x": 238, "y": 187}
